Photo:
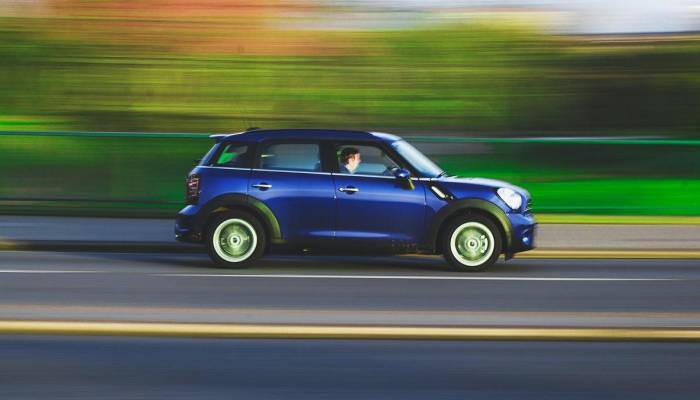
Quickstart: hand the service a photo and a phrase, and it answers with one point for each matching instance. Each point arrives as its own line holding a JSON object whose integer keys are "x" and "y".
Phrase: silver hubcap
{"x": 472, "y": 243}
{"x": 234, "y": 240}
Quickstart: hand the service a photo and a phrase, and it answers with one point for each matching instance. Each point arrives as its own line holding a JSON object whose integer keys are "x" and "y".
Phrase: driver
{"x": 350, "y": 159}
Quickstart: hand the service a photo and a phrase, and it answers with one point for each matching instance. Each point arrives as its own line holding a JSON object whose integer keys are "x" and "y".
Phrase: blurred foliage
{"x": 124, "y": 72}
{"x": 638, "y": 182}
{"x": 138, "y": 170}
{"x": 224, "y": 65}
{"x": 144, "y": 176}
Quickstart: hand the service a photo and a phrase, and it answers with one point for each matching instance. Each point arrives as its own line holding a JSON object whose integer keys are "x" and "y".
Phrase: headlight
{"x": 510, "y": 197}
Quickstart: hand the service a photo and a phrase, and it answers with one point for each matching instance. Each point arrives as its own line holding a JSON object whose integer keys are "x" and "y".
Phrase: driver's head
{"x": 350, "y": 157}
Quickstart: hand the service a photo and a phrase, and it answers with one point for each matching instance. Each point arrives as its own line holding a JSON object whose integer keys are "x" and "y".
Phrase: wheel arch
{"x": 253, "y": 206}
{"x": 465, "y": 207}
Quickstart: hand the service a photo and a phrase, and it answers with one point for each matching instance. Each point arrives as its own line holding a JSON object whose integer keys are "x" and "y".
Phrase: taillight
{"x": 192, "y": 189}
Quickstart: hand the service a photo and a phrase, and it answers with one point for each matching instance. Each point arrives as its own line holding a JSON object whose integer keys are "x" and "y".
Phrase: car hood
{"x": 454, "y": 182}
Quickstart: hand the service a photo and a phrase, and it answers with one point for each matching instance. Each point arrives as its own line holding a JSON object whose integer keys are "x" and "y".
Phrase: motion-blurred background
{"x": 590, "y": 105}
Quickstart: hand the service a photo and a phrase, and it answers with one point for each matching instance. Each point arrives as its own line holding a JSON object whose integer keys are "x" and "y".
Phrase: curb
{"x": 184, "y": 248}
{"x": 339, "y": 332}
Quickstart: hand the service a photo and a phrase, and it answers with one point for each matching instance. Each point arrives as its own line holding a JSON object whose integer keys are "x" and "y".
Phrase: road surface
{"x": 382, "y": 290}
{"x": 131, "y": 368}
{"x": 371, "y": 291}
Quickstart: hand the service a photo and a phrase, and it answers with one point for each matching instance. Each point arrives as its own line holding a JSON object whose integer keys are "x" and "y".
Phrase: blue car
{"x": 345, "y": 192}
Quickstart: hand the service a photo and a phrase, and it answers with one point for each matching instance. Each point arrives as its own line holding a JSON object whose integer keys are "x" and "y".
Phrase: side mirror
{"x": 197, "y": 161}
{"x": 405, "y": 177}
{"x": 402, "y": 174}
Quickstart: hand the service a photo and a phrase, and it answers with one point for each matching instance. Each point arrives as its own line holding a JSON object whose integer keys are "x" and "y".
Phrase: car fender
{"x": 457, "y": 206}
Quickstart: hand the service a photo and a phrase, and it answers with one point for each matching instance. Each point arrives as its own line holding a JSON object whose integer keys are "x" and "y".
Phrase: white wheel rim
{"x": 472, "y": 244}
{"x": 234, "y": 240}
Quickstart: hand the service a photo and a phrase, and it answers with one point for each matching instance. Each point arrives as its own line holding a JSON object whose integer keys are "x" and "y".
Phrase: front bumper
{"x": 524, "y": 228}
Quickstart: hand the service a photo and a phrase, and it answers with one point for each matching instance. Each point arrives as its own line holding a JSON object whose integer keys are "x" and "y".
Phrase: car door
{"x": 372, "y": 204}
{"x": 288, "y": 179}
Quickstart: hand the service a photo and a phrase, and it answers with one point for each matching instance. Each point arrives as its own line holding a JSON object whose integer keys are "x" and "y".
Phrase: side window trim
{"x": 328, "y": 159}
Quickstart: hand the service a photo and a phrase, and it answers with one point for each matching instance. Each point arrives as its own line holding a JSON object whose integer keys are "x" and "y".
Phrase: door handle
{"x": 262, "y": 186}
{"x": 349, "y": 189}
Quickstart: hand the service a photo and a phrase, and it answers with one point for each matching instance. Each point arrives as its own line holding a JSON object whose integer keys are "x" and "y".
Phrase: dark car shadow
{"x": 290, "y": 264}
{"x": 411, "y": 264}
{"x": 355, "y": 264}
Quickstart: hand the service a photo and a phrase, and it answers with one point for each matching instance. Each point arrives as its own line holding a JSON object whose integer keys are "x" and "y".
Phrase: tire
{"x": 235, "y": 239}
{"x": 471, "y": 243}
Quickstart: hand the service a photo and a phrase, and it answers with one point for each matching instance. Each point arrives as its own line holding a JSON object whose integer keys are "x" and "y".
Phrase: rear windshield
{"x": 207, "y": 157}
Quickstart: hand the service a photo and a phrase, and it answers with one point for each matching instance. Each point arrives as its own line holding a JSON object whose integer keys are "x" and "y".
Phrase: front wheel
{"x": 471, "y": 243}
{"x": 235, "y": 239}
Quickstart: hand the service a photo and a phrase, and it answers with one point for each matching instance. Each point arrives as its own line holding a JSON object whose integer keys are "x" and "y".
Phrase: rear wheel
{"x": 471, "y": 243}
{"x": 235, "y": 239}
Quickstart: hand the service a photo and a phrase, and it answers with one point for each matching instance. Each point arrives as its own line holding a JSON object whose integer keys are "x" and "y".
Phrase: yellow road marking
{"x": 611, "y": 254}
{"x": 196, "y": 330}
{"x": 7, "y": 245}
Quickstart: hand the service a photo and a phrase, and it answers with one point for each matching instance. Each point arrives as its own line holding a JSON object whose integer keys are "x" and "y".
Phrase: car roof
{"x": 255, "y": 135}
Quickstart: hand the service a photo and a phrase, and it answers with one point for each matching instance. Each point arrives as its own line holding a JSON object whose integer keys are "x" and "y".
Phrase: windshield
{"x": 419, "y": 161}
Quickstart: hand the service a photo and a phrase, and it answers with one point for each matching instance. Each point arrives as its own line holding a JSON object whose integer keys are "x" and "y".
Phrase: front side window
{"x": 364, "y": 160}
{"x": 234, "y": 155}
{"x": 291, "y": 157}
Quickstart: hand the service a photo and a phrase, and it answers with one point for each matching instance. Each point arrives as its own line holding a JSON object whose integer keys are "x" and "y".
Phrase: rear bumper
{"x": 187, "y": 228}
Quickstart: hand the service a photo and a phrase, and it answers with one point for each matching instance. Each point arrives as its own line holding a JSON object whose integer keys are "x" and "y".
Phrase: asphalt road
{"x": 118, "y": 368}
{"x": 407, "y": 290}
{"x": 333, "y": 290}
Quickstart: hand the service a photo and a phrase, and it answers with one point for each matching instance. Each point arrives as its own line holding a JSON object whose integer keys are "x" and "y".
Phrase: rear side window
{"x": 233, "y": 155}
{"x": 291, "y": 157}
